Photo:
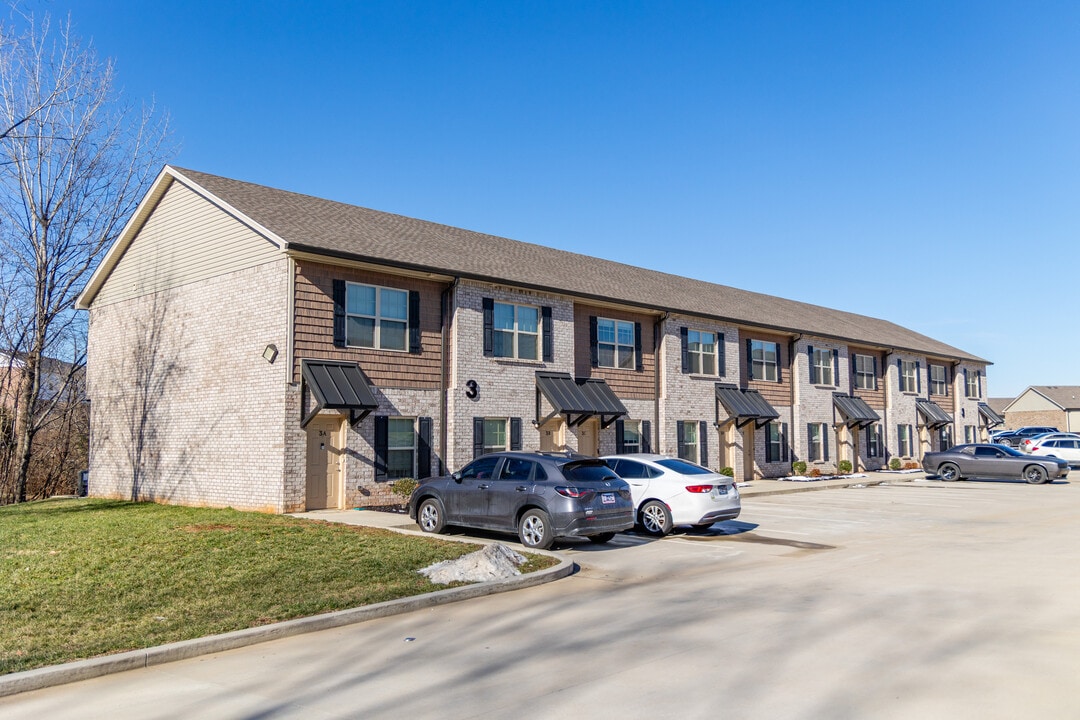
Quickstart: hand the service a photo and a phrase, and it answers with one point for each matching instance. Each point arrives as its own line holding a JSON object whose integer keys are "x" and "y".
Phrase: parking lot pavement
{"x": 922, "y": 599}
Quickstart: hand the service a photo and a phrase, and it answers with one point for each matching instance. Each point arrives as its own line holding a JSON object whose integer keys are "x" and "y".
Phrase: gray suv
{"x": 540, "y": 496}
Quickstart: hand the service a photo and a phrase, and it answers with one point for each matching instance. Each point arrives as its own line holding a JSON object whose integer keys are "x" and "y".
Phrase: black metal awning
{"x": 744, "y": 406}
{"x": 932, "y": 412}
{"x": 335, "y": 385}
{"x": 855, "y": 410}
{"x": 578, "y": 400}
{"x": 990, "y": 415}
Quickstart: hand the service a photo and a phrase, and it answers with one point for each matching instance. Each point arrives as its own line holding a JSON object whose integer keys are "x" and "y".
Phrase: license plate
{"x": 607, "y": 498}
{"x": 721, "y": 490}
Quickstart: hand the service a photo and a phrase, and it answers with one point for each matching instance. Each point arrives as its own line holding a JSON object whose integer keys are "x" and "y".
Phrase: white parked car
{"x": 1027, "y": 443}
{"x": 1065, "y": 448}
{"x": 668, "y": 491}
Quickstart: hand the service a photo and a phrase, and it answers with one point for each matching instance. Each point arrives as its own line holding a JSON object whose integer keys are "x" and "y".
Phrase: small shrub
{"x": 403, "y": 487}
{"x": 815, "y": 472}
{"x": 843, "y": 467}
{"x": 894, "y": 464}
{"x": 730, "y": 472}
{"x": 798, "y": 467}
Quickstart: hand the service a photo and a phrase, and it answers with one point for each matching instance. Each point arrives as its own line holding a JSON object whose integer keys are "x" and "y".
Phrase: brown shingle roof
{"x": 1067, "y": 396}
{"x": 318, "y": 225}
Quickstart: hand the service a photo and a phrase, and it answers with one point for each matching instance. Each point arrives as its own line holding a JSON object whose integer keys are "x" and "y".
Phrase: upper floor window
{"x": 938, "y": 383}
{"x": 516, "y": 331}
{"x": 615, "y": 344}
{"x": 908, "y": 376}
{"x": 865, "y": 373}
{"x": 821, "y": 366}
{"x": 972, "y": 382}
{"x": 701, "y": 347}
{"x": 764, "y": 360}
{"x": 376, "y": 317}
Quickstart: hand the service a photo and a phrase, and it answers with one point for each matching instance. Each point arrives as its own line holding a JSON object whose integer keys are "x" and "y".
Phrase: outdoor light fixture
{"x": 270, "y": 353}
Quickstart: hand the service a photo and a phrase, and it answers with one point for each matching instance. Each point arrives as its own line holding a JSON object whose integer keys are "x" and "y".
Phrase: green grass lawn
{"x": 81, "y": 578}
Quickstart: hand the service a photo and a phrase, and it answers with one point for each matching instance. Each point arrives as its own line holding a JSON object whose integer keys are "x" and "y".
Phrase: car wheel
{"x": 655, "y": 518}
{"x": 534, "y": 529}
{"x": 430, "y": 516}
{"x": 948, "y": 472}
{"x": 601, "y": 538}
{"x": 1035, "y": 474}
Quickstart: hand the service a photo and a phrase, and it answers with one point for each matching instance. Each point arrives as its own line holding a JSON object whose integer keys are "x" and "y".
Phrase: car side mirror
{"x": 456, "y": 476}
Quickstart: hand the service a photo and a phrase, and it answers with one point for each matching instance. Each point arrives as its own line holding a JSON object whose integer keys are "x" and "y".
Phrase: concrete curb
{"x": 131, "y": 660}
{"x": 780, "y": 487}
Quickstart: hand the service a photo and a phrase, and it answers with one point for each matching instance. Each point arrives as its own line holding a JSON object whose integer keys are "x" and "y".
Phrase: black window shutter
{"x": 965, "y": 381}
{"x": 784, "y": 441}
{"x": 750, "y": 359}
{"x": 947, "y": 383}
{"x": 646, "y": 436}
{"x": 620, "y": 446}
{"x": 875, "y": 371}
{"x": 477, "y": 437}
{"x": 639, "y": 362}
{"x": 414, "y": 322}
{"x": 339, "y": 313}
{"x": 423, "y": 448}
{"x": 900, "y": 373}
{"x": 703, "y": 443}
{"x": 825, "y": 442}
{"x": 768, "y": 444}
{"x": 382, "y": 442}
{"x": 814, "y": 379}
{"x": 684, "y": 338}
{"x": 978, "y": 379}
{"x": 489, "y": 326}
{"x": 680, "y": 436}
{"x": 836, "y": 367}
{"x": 515, "y": 433}
{"x": 549, "y": 334}
{"x": 779, "y": 376}
{"x": 594, "y": 350}
{"x": 810, "y": 440}
{"x": 918, "y": 378}
{"x": 720, "y": 355}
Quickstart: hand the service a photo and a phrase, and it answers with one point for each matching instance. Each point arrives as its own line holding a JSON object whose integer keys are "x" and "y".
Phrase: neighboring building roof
{"x": 999, "y": 404}
{"x": 1066, "y": 397}
{"x": 304, "y": 223}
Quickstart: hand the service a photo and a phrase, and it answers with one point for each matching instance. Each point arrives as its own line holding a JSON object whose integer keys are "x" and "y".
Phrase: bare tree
{"x": 74, "y": 162}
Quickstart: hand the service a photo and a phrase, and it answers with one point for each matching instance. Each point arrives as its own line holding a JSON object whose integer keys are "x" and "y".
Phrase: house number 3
{"x": 472, "y": 390}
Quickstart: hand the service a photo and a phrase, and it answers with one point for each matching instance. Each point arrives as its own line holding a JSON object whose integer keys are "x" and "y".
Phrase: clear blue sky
{"x": 914, "y": 161}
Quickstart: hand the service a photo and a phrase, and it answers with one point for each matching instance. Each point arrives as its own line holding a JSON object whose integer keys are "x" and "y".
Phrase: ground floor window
{"x": 631, "y": 437}
{"x": 873, "y": 441}
{"x": 944, "y": 438}
{"x": 688, "y": 441}
{"x": 903, "y": 440}
{"x": 495, "y": 438}
{"x": 817, "y": 441}
{"x": 970, "y": 434}
{"x": 401, "y": 448}
{"x": 774, "y": 442}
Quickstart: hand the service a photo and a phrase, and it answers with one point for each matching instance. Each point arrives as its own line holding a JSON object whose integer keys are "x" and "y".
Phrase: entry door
{"x": 324, "y": 457}
{"x": 748, "y": 451}
{"x": 551, "y": 436}
{"x": 588, "y": 440}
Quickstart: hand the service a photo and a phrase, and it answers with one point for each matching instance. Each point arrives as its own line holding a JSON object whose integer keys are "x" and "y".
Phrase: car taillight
{"x": 577, "y": 493}
{"x": 699, "y": 488}
{"x": 1034, "y": 449}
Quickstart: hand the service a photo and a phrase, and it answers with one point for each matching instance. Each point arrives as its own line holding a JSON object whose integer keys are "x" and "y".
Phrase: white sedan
{"x": 1064, "y": 447}
{"x": 668, "y": 491}
{"x": 1028, "y": 443}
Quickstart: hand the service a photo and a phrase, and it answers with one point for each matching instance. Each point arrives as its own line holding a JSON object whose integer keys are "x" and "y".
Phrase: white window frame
{"x": 862, "y": 373}
{"x": 391, "y": 448}
{"x": 908, "y": 379}
{"x": 697, "y": 357}
{"x": 815, "y": 445}
{"x": 378, "y": 318}
{"x": 616, "y": 347}
{"x": 973, "y": 383}
{"x": 490, "y": 447}
{"x": 632, "y": 427}
{"x": 873, "y": 441}
{"x": 941, "y": 383}
{"x": 971, "y": 434}
{"x": 822, "y": 360}
{"x": 516, "y": 333}
{"x": 769, "y": 370}
{"x": 904, "y": 440}
{"x": 690, "y": 427}
{"x": 777, "y": 455}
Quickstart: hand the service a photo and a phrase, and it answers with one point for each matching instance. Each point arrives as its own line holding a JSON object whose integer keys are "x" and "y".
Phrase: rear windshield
{"x": 588, "y": 473}
{"x": 681, "y": 466}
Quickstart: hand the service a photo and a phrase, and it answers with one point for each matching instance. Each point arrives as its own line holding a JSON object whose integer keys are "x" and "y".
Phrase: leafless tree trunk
{"x": 74, "y": 162}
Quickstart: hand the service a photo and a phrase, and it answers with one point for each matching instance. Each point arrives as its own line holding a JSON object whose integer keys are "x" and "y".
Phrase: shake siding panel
{"x": 314, "y": 325}
{"x": 627, "y": 384}
{"x": 777, "y": 393}
{"x": 873, "y": 398}
{"x": 185, "y": 240}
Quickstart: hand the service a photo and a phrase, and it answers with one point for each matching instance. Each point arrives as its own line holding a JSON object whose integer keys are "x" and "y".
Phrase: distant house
{"x": 1056, "y": 405}
{"x": 267, "y": 350}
